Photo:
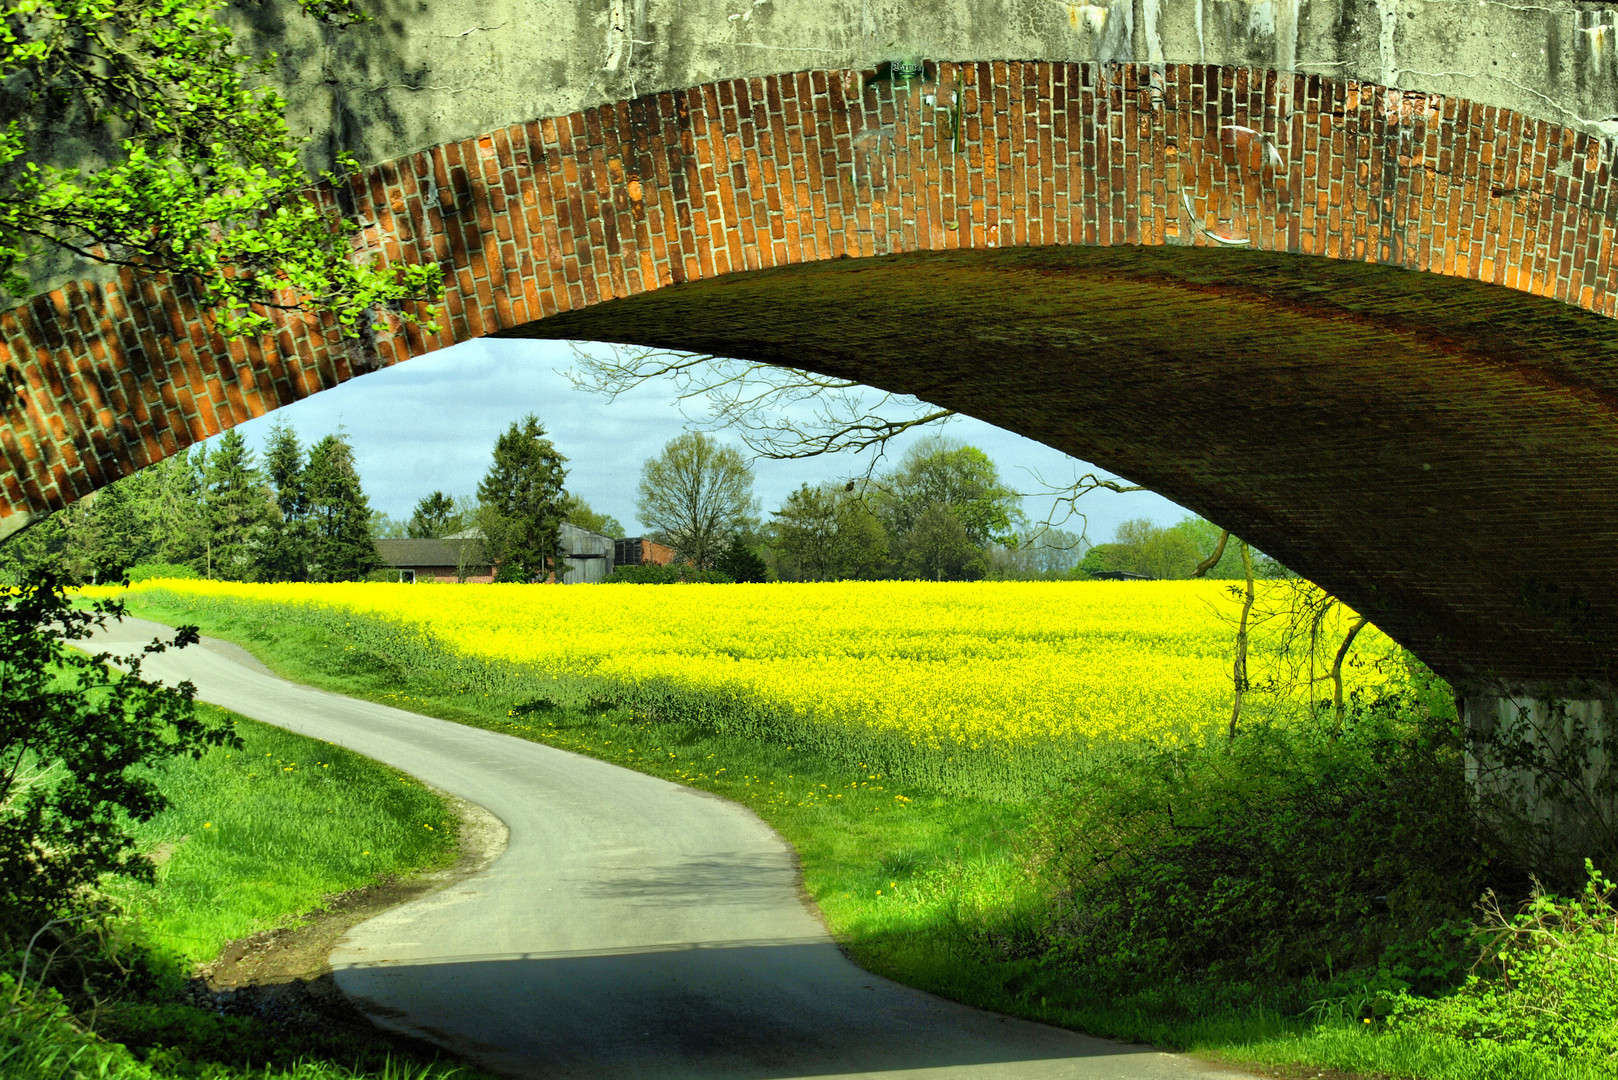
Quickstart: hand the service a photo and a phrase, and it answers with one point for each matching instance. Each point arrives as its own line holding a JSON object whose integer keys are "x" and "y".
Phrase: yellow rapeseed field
{"x": 942, "y": 668}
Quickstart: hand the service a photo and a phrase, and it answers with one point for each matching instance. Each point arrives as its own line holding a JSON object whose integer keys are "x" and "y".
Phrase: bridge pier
{"x": 1543, "y": 769}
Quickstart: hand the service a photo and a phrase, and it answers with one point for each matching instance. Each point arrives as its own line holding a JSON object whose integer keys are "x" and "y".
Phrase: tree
{"x": 521, "y": 497}
{"x": 171, "y": 497}
{"x": 827, "y": 533}
{"x": 435, "y": 515}
{"x": 77, "y": 742}
{"x": 1042, "y": 554}
{"x": 239, "y": 508}
{"x": 385, "y": 526}
{"x": 197, "y": 174}
{"x": 739, "y": 562}
{"x": 699, "y": 494}
{"x": 577, "y": 512}
{"x": 288, "y": 542}
{"x": 784, "y": 413}
{"x": 938, "y": 548}
{"x": 341, "y": 547}
{"x": 936, "y": 477}
{"x": 940, "y": 472}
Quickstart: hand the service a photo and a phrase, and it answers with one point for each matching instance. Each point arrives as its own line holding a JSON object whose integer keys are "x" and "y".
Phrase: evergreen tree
{"x": 239, "y": 509}
{"x": 521, "y": 498}
{"x": 339, "y": 514}
{"x": 435, "y": 515}
{"x": 286, "y": 551}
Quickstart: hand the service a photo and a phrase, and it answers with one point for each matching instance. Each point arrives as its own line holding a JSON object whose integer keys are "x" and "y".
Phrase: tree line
{"x": 213, "y": 512}
{"x": 942, "y": 513}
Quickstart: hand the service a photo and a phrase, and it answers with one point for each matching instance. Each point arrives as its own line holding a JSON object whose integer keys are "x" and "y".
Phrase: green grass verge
{"x": 255, "y": 836}
{"x": 924, "y": 888}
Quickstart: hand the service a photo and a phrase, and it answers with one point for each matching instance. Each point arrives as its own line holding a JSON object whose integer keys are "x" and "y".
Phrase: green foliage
{"x": 151, "y": 571}
{"x": 738, "y": 562}
{"x": 521, "y": 497}
{"x": 1547, "y": 977}
{"x": 827, "y": 533}
{"x": 699, "y": 493}
{"x": 943, "y": 475}
{"x": 1284, "y": 854}
{"x": 340, "y": 545}
{"x": 673, "y": 574}
{"x": 200, "y": 175}
{"x": 938, "y": 548}
{"x": 435, "y": 515}
{"x": 77, "y": 740}
{"x": 238, "y": 509}
{"x": 576, "y": 511}
{"x": 1172, "y": 553}
{"x": 42, "y": 1039}
{"x": 287, "y": 548}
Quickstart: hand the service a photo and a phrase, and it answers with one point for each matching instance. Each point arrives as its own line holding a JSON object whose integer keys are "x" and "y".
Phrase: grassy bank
{"x": 254, "y": 838}
{"x": 260, "y": 834}
{"x": 929, "y": 888}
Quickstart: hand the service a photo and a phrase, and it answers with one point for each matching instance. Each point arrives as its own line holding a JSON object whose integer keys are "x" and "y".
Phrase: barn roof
{"x": 429, "y": 552}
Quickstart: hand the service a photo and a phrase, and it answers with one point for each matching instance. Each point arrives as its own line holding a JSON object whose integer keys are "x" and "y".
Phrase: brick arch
{"x": 1160, "y": 227}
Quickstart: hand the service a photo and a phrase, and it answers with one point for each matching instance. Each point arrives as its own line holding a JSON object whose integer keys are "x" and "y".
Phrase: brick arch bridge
{"x": 1370, "y": 330}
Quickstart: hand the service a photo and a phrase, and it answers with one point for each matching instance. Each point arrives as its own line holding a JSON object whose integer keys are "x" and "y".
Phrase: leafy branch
{"x": 204, "y": 182}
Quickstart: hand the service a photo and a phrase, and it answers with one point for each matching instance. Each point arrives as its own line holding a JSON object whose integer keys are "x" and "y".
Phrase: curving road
{"x": 632, "y": 928}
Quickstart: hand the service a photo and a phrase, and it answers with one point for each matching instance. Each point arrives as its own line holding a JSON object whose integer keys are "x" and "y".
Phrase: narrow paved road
{"x": 633, "y": 928}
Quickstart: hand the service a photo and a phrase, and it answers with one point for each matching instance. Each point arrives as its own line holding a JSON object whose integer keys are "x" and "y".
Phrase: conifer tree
{"x": 286, "y": 552}
{"x": 522, "y": 502}
{"x": 435, "y": 515}
{"x": 341, "y": 547}
{"x": 239, "y": 509}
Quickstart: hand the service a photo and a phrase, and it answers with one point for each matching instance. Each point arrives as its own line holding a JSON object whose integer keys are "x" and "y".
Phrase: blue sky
{"x": 431, "y": 424}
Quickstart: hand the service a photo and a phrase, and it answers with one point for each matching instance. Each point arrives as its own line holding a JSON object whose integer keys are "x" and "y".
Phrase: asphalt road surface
{"x": 632, "y": 928}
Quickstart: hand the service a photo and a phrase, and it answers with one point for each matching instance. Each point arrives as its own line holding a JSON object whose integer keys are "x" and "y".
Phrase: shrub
{"x": 152, "y": 571}
{"x": 1546, "y": 976}
{"x": 77, "y": 739}
{"x": 654, "y": 574}
{"x": 1289, "y": 852}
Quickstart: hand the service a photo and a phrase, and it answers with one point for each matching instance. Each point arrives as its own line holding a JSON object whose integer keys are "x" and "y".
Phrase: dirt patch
{"x": 283, "y": 976}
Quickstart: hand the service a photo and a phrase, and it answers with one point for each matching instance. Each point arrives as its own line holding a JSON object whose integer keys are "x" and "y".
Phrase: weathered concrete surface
{"x": 427, "y": 72}
{"x": 632, "y": 928}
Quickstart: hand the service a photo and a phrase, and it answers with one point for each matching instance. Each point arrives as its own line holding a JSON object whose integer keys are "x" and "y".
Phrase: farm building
{"x": 451, "y": 559}
{"x": 587, "y": 557}
{"x": 638, "y": 550}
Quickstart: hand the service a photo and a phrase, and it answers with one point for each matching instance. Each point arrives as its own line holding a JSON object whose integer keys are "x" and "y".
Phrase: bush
{"x": 151, "y": 571}
{"x": 654, "y": 574}
{"x": 77, "y": 742}
{"x": 1288, "y": 853}
{"x": 1546, "y": 976}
